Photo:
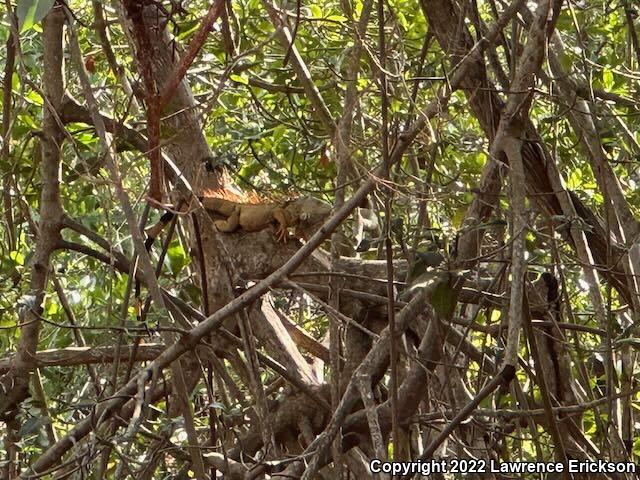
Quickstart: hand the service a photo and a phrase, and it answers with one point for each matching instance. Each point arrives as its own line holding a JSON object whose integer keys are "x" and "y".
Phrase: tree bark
{"x": 16, "y": 382}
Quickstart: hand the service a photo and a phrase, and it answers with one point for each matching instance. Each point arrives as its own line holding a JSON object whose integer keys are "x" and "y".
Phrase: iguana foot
{"x": 282, "y": 234}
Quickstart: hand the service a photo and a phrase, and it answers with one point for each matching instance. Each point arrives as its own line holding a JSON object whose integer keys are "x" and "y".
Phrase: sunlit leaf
{"x": 30, "y": 12}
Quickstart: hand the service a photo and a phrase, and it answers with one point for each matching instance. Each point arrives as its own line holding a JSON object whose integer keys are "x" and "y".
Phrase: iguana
{"x": 304, "y": 214}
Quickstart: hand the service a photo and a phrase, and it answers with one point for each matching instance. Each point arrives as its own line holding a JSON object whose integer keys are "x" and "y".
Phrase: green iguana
{"x": 303, "y": 213}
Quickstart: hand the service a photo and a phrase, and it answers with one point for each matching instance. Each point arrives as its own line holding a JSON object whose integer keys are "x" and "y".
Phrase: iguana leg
{"x": 231, "y": 223}
{"x": 282, "y": 232}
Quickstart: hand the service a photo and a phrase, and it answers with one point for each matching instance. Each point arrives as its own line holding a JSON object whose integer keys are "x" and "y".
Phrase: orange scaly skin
{"x": 232, "y": 211}
{"x": 252, "y": 217}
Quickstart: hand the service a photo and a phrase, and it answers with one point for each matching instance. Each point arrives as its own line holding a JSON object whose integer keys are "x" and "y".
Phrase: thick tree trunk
{"x": 16, "y": 382}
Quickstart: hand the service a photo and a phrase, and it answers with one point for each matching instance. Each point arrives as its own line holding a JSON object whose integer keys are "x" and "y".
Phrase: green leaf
{"x": 52, "y": 309}
{"x": 278, "y": 133}
{"x": 607, "y": 79}
{"x": 30, "y": 12}
{"x": 187, "y": 28}
{"x": 337, "y": 18}
{"x": 402, "y": 20}
{"x": 243, "y": 79}
{"x": 34, "y": 98}
{"x": 17, "y": 257}
{"x": 443, "y": 298}
{"x": 357, "y": 8}
{"x": 316, "y": 11}
{"x": 177, "y": 257}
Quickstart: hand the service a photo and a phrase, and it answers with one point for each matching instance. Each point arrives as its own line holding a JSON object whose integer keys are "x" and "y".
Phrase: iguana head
{"x": 311, "y": 214}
